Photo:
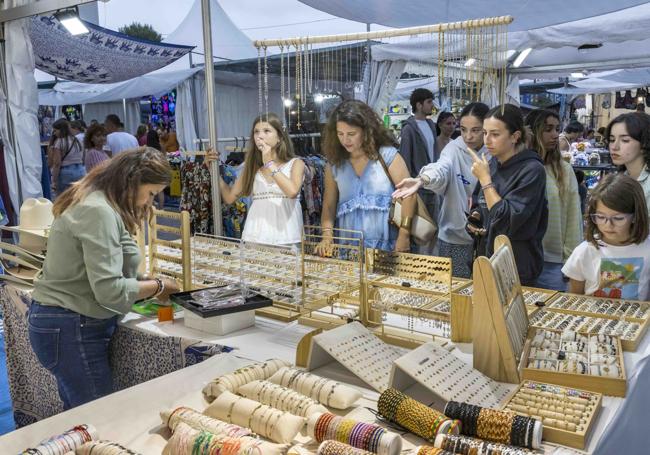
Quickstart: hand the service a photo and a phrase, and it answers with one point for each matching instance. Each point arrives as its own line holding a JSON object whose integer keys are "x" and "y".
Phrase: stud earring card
{"x": 434, "y": 375}
{"x": 358, "y": 350}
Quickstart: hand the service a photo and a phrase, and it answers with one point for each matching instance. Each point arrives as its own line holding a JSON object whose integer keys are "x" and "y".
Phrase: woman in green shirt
{"x": 90, "y": 271}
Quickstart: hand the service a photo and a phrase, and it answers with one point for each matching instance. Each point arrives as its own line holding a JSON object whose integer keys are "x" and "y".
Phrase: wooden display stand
{"x": 497, "y": 300}
{"x": 171, "y": 257}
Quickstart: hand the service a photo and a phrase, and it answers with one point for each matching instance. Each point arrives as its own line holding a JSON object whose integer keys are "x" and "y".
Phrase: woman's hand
{"x": 171, "y": 287}
{"x": 212, "y": 155}
{"x": 407, "y": 187}
{"x": 325, "y": 248}
{"x": 403, "y": 243}
{"x": 267, "y": 151}
{"x": 480, "y": 168}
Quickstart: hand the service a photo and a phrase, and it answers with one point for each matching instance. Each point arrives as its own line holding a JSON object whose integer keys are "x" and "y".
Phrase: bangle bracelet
{"x": 489, "y": 185}
{"x": 161, "y": 287}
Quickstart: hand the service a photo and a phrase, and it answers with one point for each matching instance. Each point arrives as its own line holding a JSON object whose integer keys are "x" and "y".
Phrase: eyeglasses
{"x": 616, "y": 220}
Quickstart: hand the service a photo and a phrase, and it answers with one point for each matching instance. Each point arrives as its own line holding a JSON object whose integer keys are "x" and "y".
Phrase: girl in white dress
{"x": 272, "y": 177}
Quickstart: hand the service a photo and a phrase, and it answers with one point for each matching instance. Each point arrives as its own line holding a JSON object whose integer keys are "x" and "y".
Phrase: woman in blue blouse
{"x": 357, "y": 190}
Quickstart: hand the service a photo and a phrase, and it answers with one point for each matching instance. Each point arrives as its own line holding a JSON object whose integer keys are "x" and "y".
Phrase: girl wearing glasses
{"x": 614, "y": 261}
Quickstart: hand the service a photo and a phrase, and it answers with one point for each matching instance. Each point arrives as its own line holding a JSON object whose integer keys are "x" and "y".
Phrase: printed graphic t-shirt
{"x": 612, "y": 271}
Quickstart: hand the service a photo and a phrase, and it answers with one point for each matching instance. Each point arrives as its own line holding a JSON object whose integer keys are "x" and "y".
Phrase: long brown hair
{"x": 624, "y": 194}
{"x": 359, "y": 114}
{"x": 253, "y": 161}
{"x": 119, "y": 179}
{"x": 536, "y": 120}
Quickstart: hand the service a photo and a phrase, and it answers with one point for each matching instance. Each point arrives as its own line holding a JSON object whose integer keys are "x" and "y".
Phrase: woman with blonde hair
{"x": 90, "y": 272}
{"x": 564, "y": 231}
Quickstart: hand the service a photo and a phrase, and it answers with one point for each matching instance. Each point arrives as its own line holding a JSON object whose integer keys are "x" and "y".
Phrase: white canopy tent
{"x": 608, "y": 81}
{"x": 618, "y": 33}
{"x": 529, "y": 14}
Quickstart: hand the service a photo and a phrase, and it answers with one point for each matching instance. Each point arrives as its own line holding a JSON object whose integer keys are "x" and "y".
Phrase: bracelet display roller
{"x": 361, "y": 435}
{"x": 65, "y": 442}
{"x": 503, "y": 427}
{"x": 419, "y": 419}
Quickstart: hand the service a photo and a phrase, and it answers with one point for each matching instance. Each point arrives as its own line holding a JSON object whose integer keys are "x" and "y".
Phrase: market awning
{"x": 101, "y": 56}
{"x": 528, "y": 15}
{"x": 155, "y": 83}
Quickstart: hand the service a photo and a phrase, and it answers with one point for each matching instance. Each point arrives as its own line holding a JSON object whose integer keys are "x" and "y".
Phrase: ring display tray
{"x": 568, "y": 414}
{"x": 626, "y": 319}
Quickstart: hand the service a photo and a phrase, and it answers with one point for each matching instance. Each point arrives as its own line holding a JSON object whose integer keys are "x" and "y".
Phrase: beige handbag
{"x": 423, "y": 227}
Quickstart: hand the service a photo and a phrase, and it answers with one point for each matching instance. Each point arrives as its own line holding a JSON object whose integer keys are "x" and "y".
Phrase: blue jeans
{"x": 551, "y": 277}
{"x": 74, "y": 348}
{"x": 68, "y": 175}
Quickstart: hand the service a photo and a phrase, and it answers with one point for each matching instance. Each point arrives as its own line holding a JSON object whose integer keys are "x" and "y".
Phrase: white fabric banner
{"x": 18, "y": 107}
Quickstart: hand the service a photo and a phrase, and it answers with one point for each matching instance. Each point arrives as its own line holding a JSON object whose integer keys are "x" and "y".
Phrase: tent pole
{"x": 368, "y": 67}
{"x": 212, "y": 113}
{"x": 124, "y": 111}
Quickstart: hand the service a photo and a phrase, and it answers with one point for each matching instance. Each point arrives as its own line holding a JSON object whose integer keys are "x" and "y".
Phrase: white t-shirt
{"x": 425, "y": 129}
{"x": 120, "y": 141}
{"x": 612, "y": 271}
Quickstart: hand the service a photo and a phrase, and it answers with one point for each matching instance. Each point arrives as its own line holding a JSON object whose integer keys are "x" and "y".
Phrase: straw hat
{"x": 36, "y": 218}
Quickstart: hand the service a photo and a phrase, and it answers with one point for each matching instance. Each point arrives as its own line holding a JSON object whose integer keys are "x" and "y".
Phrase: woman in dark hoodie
{"x": 510, "y": 197}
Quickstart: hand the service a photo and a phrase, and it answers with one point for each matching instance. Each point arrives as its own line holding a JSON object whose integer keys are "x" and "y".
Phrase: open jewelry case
{"x": 508, "y": 349}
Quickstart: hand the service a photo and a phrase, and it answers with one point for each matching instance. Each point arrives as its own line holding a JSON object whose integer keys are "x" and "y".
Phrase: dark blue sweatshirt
{"x": 521, "y": 214}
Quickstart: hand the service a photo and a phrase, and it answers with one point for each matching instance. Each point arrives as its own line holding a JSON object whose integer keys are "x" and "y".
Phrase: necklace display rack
{"x": 334, "y": 278}
{"x": 412, "y": 286}
{"x": 358, "y": 350}
{"x": 568, "y": 414}
{"x": 432, "y": 374}
{"x": 626, "y": 319}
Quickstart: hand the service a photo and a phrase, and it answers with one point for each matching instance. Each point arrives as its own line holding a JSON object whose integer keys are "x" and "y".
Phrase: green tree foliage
{"x": 142, "y": 31}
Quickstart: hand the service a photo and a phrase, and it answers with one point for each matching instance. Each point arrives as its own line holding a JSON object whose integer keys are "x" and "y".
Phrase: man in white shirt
{"x": 417, "y": 147}
{"x": 118, "y": 140}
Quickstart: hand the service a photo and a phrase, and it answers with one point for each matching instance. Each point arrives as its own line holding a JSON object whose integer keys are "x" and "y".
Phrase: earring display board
{"x": 499, "y": 313}
{"x": 599, "y": 312}
{"x": 590, "y": 362}
{"x": 358, "y": 350}
{"x": 446, "y": 378}
{"x": 170, "y": 257}
{"x": 568, "y": 414}
{"x": 630, "y": 332}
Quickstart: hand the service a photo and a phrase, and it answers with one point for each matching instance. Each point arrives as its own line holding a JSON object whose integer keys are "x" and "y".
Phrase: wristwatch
{"x": 425, "y": 179}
